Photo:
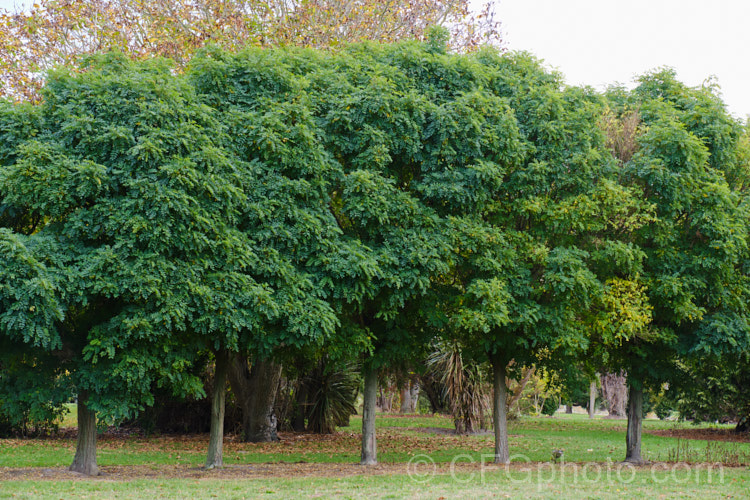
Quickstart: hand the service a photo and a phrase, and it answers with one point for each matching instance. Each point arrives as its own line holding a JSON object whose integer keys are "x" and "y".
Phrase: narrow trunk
{"x": 405, "y": 398}
{"x": 592, "y": 399}
{"x": 298, "y": 422}
{"x": 499, "y": 410}
{"x": 635, "y": 424}
{"x": 215, "y": 458}
{"x": 369, "y": 445}
{"x": 520, "y": 386}
{"x": 414, "y": 394}
{"x": 384, "y": 401}
{"x": 85, "y": 458}
{"x": 255, "y": 390}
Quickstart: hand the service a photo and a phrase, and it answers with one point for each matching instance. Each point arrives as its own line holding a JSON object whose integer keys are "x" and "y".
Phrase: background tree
{"x": 54, "y": 32}
{"x": 255, "y": 386}
{"x": 575, "y": 385}
{"x": 707, "y": 391}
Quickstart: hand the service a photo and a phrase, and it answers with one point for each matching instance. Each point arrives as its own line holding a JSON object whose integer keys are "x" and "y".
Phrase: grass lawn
{"x": 537, "y": 484}
{"x": 408, "y": 446}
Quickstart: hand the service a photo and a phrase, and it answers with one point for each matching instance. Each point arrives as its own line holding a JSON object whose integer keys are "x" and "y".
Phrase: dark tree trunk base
{"x": 85, "y": 458}
{"x": 255, "y": 390}
{"x": 743, "y": 425}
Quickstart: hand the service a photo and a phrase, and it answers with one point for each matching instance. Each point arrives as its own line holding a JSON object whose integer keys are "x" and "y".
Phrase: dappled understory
{"x": 400, "y": 438}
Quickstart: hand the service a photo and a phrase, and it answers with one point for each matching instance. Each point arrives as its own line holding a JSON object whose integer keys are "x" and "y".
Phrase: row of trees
{"x": 358, "y": 207}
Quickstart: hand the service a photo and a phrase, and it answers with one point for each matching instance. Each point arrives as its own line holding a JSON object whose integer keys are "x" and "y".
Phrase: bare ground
{"x": 271, "y": 470}
{"x": 727, "y": 435}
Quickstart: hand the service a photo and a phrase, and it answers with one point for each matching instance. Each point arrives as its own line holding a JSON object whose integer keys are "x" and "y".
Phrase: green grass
{"x": 531, "y": 439}
{"x": 70, "y": 418}
{"x": 400, "y": 439}
{"x": 545, "y": 483}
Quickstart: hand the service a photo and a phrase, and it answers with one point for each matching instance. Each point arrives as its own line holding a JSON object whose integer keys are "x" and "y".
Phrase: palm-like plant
{"x": 332, "y": 389}
{"x": 465, "y": 383}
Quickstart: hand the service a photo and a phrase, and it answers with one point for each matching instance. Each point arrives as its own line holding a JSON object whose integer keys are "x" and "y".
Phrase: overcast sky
{"x": 599, "y": 42}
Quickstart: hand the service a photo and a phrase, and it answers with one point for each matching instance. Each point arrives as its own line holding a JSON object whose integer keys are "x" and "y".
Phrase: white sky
{"x": 599, "y": 42}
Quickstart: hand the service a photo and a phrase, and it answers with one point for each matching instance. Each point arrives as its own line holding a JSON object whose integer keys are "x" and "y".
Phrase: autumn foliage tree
{"x": 54, "y": 32}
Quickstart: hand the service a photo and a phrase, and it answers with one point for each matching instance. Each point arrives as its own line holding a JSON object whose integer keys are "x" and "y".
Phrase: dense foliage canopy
{"x": 368, "y": 202}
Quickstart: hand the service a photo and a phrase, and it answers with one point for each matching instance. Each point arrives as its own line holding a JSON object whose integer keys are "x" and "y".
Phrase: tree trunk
{"x": 592, "y": 399}
{"x": 615, "y": 391}
{"x": 405, "y": 398}
{"x": 215, "y": 458}
{"x": 369, "y": 445}
{"x": 298, "y": 422}
{"x": 635, "y": 424}
{"x": 414, "y": 393}
{"x": 499, "y": 412}
{"x": 432, "y": 389}
{"x": 85, "y": 458}
{"x": 384, "y": 400}
{"x": 255, "y": 390}
{"x": 743, "y": 425}
{"x": 568, "y": 409}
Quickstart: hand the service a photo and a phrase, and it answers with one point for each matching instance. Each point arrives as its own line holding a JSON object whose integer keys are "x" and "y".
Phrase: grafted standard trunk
{"x": 592, "y": 399}
{"x": 635, "y": 425}
{"x": 255, "y": 390}
{"x": 215, "y": 457}
{"x": 369, "y": 445}
{"x": 85, "y": 458}
{"x": 499, "y": 411}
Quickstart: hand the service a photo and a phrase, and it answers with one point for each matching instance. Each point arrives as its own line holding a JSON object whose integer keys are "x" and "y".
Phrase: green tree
{"x": 145, "y": 214}
{"x": 689, "y": 164}
{"x": 713, "y": 389}
{"x": 528, "y": 230}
